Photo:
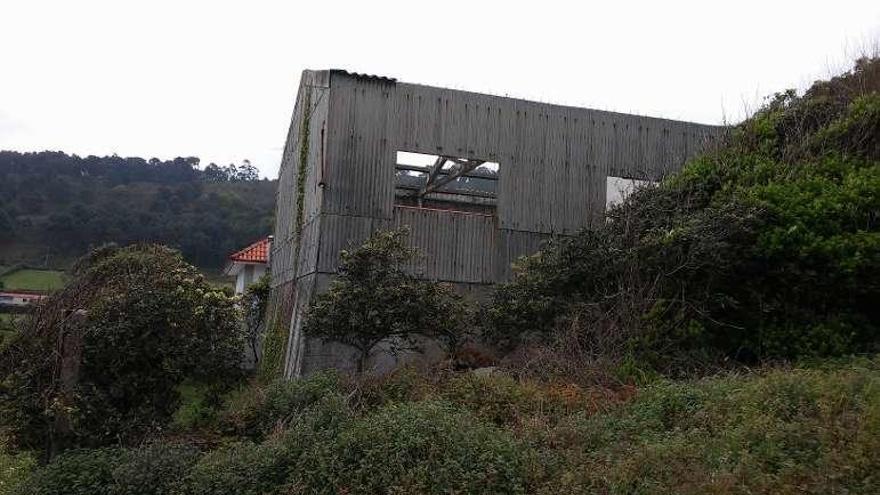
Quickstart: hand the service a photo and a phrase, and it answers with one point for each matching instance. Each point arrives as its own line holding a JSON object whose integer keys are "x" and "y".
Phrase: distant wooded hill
{"x": 54, "y": 206}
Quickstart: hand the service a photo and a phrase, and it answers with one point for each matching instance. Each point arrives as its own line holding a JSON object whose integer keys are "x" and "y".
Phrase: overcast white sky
{"x": 218, "y": 79}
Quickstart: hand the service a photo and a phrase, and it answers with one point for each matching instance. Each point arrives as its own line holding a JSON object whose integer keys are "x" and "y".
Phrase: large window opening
{"x": 446, "y": 182}
{"x": 618, "y": 188}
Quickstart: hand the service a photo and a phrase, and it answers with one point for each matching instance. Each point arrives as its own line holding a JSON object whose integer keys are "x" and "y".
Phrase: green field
{"x": 28, "y": 279}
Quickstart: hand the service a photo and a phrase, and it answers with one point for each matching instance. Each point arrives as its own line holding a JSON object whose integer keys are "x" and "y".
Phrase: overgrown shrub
{"x": 199, "y": 405}
{"x": 421, "y": 447}
{"x": 242, "y": 468}
{"x": 258, "y": 409}
{"x": 785, "y": 431}
{"x": 766, "y": 246}
{"x": 76, "y": 472}
{"x": 289, "y": 461}
{"x": 499, "y": 399}
{"x": 326, "y": 447}
{"x": 15, "y": 468}
{"x": 814, "y": 429}
{"x": 155, "y": 469}
{"x": 100, "y": 361}
{"x": 403, "y": 384}
{"x": 375, "y": 299}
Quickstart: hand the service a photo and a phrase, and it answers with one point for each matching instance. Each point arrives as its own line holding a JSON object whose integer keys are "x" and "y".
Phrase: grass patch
{"x": 28, "y": 279}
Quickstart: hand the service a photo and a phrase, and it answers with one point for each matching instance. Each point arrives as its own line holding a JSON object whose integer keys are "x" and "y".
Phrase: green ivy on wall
{"x": 276, "y": 338}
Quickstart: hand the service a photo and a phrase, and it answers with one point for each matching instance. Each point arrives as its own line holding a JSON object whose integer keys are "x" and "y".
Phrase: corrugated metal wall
{"x": 453, "y": 246}
{"x": 304, "y": 288}
{"x": 287, "y": 262}
{"x": 554, "y": 161}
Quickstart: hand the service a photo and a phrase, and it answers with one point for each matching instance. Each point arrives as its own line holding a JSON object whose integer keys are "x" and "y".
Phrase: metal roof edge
{"x": 368, "y": 77}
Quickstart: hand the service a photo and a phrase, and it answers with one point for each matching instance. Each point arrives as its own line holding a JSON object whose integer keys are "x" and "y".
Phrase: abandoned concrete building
{"x": 479, "y": 180}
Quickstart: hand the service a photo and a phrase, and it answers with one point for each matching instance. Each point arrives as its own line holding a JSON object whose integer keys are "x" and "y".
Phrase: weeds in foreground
{"x": 813, "y": 428}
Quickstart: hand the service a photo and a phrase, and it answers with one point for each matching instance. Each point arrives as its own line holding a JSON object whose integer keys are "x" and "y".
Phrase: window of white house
{"x": 446, "y": 182}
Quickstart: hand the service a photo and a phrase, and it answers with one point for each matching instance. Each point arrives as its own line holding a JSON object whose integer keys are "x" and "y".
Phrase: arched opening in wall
{"x": 618, "y": 188}
{"x": 446, "y": 182}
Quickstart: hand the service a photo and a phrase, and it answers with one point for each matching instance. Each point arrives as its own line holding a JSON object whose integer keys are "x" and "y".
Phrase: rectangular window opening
{"x": 618, "y": 188}
{"x": 446, "y": 182}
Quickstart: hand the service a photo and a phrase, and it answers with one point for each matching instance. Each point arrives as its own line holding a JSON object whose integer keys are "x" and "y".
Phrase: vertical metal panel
{"x": 312, "y": 101}
{"x": 453, "y": 246}
{"x": 360, "y": 167}
{"x": 302, "y": 294}
{"x": 340, "y": 232}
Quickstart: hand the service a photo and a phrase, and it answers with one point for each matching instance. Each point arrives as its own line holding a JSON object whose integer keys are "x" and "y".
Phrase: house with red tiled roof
{"x": 249, "y": 264}
{"x": 20, "y": 297}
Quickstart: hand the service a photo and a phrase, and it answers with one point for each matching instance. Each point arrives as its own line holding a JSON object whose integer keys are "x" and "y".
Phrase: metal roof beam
{"x": 464, "y": 166}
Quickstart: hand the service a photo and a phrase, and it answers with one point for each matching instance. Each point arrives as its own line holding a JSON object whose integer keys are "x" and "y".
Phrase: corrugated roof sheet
{"x": 257, "y": 252}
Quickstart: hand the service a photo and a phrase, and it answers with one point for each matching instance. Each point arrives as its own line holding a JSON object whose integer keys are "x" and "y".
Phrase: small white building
{"x": 248, "y": 264}
{"x": 20, "y": 298}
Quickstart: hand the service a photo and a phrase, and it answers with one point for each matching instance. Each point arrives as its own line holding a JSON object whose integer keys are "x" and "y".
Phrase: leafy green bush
{"x": 242, "y": 468}
{"x": 76, "y": 472}
{"x": 257, "y": 409}
{"x": 199, "y": 405}
{"x": 375, "y": 299}
{"x": 254, "y": 302}
{"x": 807, "y": 431}
{"x": 767, "y": 246}
{"x": 278, "y": 464}
{"x": 155, "y": 469}
{"x": 814, "y": 429}
{"x": 100, "y": 361}
{"x": 422, "y": 447}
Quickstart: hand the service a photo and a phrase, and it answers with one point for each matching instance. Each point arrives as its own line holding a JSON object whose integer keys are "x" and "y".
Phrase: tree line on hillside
{"x": 64, "y": 204}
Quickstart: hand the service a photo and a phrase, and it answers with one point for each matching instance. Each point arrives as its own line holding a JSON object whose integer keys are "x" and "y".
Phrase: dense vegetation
{"x": 54, "y": 206}
{"x": 100, "y": 361}
{"x": 804, "y": 430}
{"x": 766, "y": 247}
